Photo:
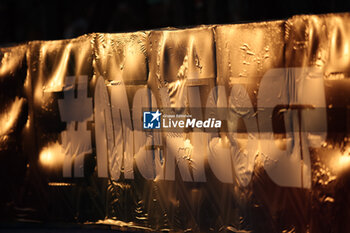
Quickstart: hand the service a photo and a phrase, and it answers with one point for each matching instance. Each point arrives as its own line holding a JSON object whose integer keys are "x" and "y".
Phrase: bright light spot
{"x": 9, "y": 117}
{"x": 344, "y": 162}
{"x": 57, "y": 79}
{"x": 341, "y": 161}
{"x": 27, "y": 123}
{"x": 52, "y": 156}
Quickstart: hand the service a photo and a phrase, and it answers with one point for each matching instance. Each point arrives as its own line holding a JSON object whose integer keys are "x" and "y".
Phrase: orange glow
{"x": 11, "y": 58}
{"x": 344, "y": 162}
{"x": 341, "y": 161}
{"x": 9, "y": 118}
{"x": 52, "y": 156}
{"x": 60, "y": 184}
{"x": 27, "y": 123}
{"x": 57, "y": 79}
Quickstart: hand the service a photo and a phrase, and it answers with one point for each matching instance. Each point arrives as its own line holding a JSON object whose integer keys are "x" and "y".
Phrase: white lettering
{"x": 190, "y": 123}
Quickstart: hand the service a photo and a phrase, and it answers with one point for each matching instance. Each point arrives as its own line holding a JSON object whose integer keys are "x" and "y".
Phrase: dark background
{"x": 26, "y": 20}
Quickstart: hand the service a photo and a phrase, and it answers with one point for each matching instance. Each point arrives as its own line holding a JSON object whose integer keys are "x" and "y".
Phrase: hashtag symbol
{"x": 76, "y": 112}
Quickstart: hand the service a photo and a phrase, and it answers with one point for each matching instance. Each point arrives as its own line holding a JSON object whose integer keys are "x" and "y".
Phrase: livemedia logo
{"x": 151, "y": 120}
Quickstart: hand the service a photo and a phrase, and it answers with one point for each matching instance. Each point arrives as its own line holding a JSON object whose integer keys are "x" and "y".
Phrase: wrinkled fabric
{"x": 73, "y": 148}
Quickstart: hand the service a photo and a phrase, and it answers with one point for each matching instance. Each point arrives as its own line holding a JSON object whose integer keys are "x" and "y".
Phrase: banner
{"x": 220, "y": 128}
